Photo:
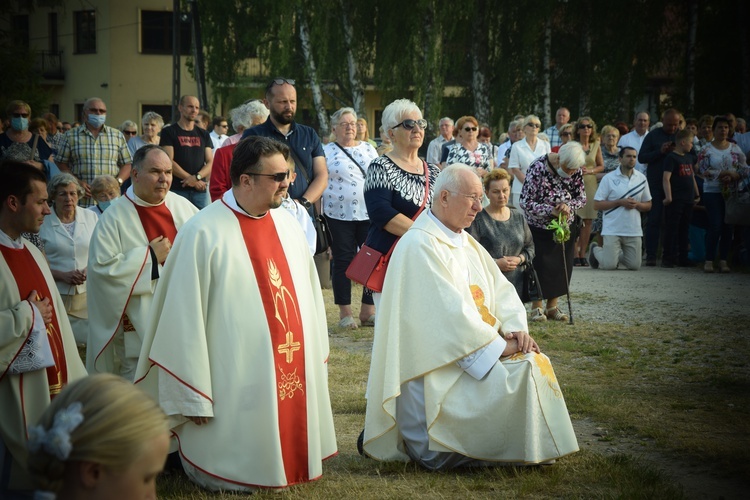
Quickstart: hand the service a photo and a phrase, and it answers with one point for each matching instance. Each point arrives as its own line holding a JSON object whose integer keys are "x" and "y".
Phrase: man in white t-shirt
{"x": 634, "y": 138}
{"x": 622, "y": 195}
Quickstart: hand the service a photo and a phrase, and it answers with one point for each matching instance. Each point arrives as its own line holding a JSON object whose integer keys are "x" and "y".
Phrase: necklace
{"x": 408, "y": 165}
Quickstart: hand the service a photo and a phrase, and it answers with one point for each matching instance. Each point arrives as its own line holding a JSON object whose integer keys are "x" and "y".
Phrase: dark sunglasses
{"x": 565, "y": 134}
{"x": 534, "y": 125}
{"x": 470, "y": 129}
{"x": 409, "y": 124}
{"x": 20, "y": 115}
{"x": 585, "y": 126}
{"x": 280, "y": 81}
{"x": 129, "y": 132}
{"x": 276, "y": 177}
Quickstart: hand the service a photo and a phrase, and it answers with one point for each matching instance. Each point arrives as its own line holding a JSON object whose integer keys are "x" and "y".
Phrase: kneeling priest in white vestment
{"x": 455, "y": 378}
{"x": 129, "y": 246}
{"x": 237, "y": 348}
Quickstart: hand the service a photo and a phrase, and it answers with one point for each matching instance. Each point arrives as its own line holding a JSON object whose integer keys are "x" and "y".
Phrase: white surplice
{"x": 209, "y": 353}
{"x": 119, "y": 282}
{"x": 23, "y": 397}
{"x": 443, "y": 303}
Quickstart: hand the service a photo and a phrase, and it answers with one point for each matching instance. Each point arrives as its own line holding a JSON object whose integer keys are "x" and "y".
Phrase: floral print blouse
{"x": 544, "y": 189}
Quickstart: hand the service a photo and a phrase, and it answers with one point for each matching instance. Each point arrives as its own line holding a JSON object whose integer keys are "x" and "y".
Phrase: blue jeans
{"x": 198, "y": 198}
{"x": 717, "y": 232}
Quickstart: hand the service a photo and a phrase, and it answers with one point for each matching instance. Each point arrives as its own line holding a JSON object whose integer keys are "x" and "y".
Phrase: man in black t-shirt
{"x": 191, "y": 151}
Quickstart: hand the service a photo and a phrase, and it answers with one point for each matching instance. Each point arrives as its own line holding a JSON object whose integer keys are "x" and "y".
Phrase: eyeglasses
{"x": 409, "y": 124}
{"x": 347, "y": 124}
{"x": 224, "y": 126}
{"x": 20, "y": 115}
{"x": 280, "y": 81}
{"x": 587, "y": 125}
{"x": 129, "y": 132}
{"x": 470, "y": 129}
{"x": 280, "y": 177}
{"x": 534, "y": 125}
{"x": 473, "y": 197}
{"x": 565, "y": 134}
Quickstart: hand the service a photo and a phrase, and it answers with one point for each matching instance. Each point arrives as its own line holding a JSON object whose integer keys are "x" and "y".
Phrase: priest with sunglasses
{"x": 237, "y": 348}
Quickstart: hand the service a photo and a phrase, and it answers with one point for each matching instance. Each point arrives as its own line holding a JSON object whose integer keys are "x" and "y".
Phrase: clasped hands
{"x": 193, "y": 182}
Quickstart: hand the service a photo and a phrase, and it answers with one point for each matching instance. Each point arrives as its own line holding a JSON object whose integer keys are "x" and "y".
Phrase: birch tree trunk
{"x": 690, "y": 56}
{"x": 358, "y": 92}
{"x": 742, "y": 17}
{"x": 479, "y": 82}
{"x": 584, "y": 97}
{"x": 312, "y": 73}
{"x": 547, "y": 76}
{"x": 432, "y": 57}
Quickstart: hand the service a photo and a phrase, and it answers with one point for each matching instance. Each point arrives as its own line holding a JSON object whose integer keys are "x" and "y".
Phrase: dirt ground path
{"x": 657, "y": 295}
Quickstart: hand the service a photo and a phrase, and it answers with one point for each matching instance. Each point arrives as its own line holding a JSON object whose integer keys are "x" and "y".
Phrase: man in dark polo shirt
{"x": 307, "y": 151}
{"x": 191, "y": 151}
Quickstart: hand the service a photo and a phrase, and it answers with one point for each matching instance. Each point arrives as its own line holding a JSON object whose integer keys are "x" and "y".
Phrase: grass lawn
{"x": 683, "y": 388}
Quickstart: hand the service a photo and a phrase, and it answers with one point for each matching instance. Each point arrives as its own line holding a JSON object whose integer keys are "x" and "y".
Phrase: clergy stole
{"x": 287, "y": 339}
{"x": 29, "y": 277}
{"x": 157, "y": 221}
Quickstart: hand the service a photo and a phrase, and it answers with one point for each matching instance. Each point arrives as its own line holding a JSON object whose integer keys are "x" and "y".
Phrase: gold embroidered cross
{"x": 289, "y": 347}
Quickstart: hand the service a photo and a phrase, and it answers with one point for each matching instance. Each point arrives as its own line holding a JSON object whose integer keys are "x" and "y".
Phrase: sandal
{"x": 537, "y": 314}
{"x": 348, "y": 322}
{"x": 556, "y": 314}
{"x": 369, "y": 321}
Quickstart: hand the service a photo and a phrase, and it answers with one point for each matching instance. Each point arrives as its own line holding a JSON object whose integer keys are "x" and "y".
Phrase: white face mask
{"x": 562, "y": 173}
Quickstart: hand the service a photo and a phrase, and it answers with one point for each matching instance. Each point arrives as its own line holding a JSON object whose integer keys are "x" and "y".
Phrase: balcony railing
{"x": 49, "y": 64}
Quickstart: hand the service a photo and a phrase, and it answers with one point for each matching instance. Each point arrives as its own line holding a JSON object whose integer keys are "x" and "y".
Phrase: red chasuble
{"x": 29, "y": 277}
{"x": 157, "y": 221}
{"x": 287, "y": 338}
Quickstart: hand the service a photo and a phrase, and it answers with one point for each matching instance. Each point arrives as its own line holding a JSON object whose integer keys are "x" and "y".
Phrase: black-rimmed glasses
{"x": 585, "y": 125}
{"x": 470, "y": 129}
{"x": 409, "y": 124}
{"x": 280, "y": 177}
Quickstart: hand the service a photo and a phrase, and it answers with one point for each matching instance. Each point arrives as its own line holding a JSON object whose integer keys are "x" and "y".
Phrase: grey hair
{"x": 103, "y": 183}
{"x": 139, "y": 158}
{"x": 450, "y": 178}
{"x": 514, "y": 125}
{"x": 572, "y": 156}
{"x": 245, "y": 115}
{"x": 128, "y": 123}
{"x": 393, "y": 113}
{"x": 63, "y": 180}
{"x": 529, "y": 118}
{"x": 446, "y": 119}
{"x": 336, "y": 117}
{"x": 88, "y": 102}
{"x": 151, "y": 116}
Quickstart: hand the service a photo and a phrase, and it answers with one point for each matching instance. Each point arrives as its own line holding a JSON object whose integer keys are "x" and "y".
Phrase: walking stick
{"x": 561, "y": 234}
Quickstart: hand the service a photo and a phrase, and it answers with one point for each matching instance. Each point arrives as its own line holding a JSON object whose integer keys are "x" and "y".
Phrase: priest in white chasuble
{"x": 237, "y": 347}
{"x": 128, "y": 249}
{"x": 38, "y": 353}
{"x": 455, "y": 379}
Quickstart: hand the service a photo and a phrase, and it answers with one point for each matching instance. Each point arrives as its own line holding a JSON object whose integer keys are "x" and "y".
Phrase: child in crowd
{"x": 101, "y": 437}
{"x": 680, "y": 194}
{"x": 299, "y": 212}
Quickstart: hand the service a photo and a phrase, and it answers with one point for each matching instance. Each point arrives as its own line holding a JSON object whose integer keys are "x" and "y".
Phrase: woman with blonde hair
{"x": 363, "y": 133}
{"x": 523, "y": 153}
{"x": 101, "y": 437}
{"x": 585, "y": 134}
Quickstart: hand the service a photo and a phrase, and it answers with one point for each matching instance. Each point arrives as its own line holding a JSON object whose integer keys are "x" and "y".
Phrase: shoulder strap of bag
{"x": 351, "y": 158}
{"x": 298, "y": 166}
{"x": 421, "y": 208}
{"x": 33, "y": 146}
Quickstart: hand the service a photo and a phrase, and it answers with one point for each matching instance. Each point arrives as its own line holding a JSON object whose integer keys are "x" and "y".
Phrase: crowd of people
{"x": 183, "y": 260}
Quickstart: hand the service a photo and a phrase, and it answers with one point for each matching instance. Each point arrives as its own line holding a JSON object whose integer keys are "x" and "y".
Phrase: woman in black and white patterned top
{"x": 468, "y": 150}
{"x": 344, "y": 206}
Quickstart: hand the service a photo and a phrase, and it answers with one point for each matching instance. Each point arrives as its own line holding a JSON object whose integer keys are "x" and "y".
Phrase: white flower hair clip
{"x": 56, "y": 441}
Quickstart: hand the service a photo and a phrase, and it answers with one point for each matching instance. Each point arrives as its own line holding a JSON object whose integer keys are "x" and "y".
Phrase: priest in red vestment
{"x": 128, "y": 249}
{"x": 237, "y": 347}
{"x": 38, "y": 354}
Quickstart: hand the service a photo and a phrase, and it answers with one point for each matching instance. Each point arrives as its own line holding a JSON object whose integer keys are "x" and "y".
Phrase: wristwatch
{"x": 199, "y": 177}
{"x": 119, "y": 181}
{"x": 305, "y": 203}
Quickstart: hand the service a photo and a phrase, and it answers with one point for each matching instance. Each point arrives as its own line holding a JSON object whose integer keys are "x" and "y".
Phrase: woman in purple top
{"x": 553, "y": 186}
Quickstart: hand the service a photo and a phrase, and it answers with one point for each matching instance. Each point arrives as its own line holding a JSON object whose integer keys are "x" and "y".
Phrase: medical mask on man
{"x": 97, "y": 121}
{"x": 19, "y": 123}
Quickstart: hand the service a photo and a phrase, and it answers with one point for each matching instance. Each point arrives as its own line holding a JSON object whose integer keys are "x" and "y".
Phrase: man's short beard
{"x": 281, "y": 119}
